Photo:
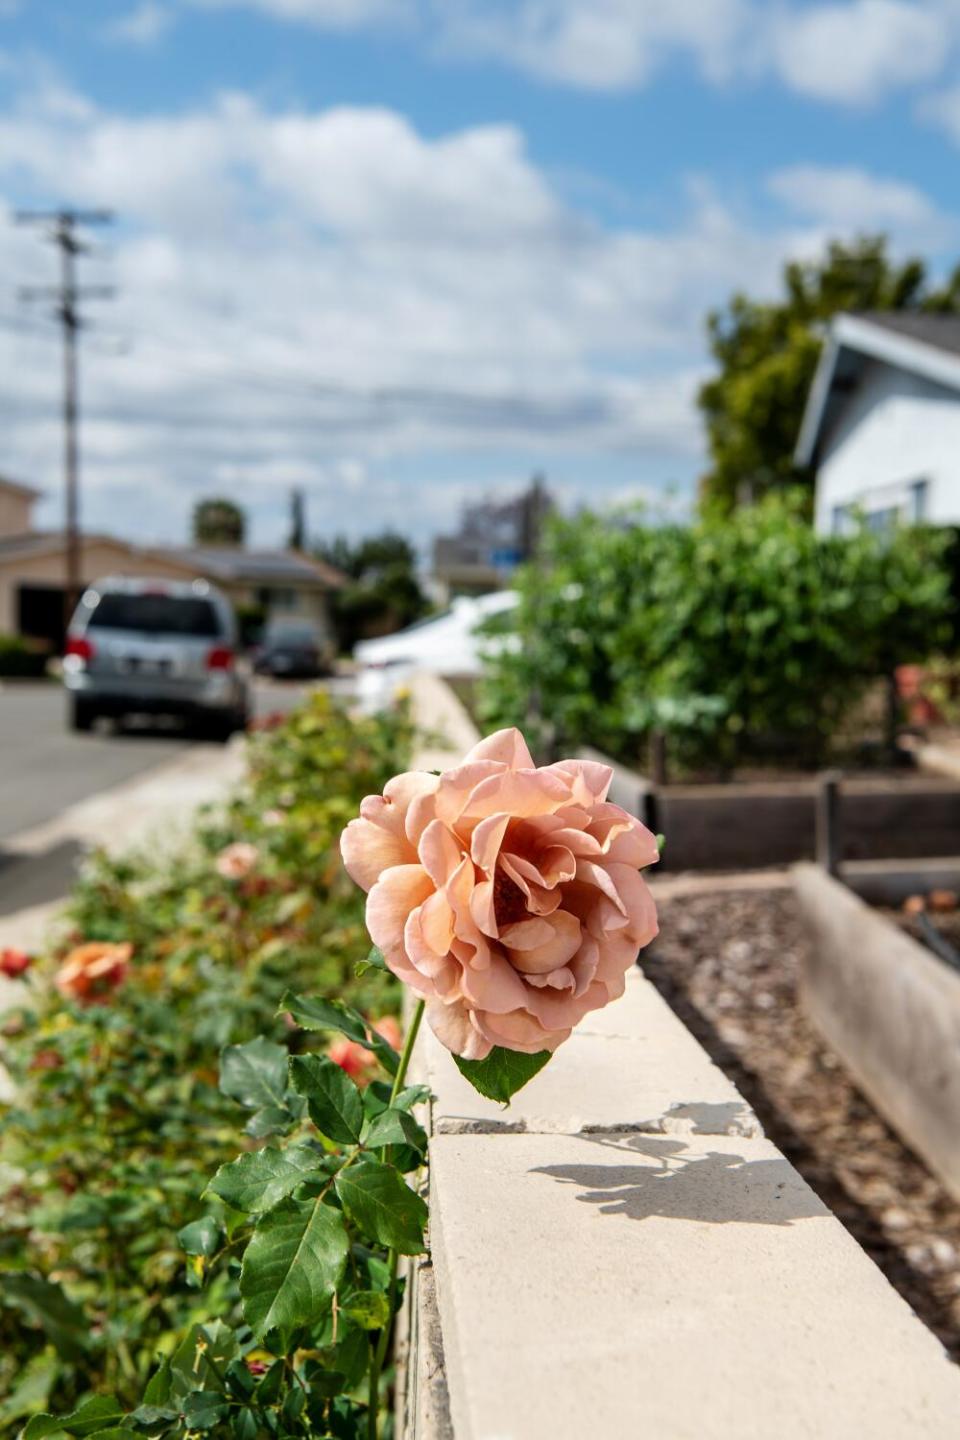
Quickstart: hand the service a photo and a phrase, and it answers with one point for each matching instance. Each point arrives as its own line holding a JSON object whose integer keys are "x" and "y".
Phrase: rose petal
{"x": 396, "y": 893}
{"x": 455, "y": 1028}
{"x": 440, "y": 852}
{"x": 507, "y": 747}
{"x": 368, "y": 849}
{"x": 561, "y": 946}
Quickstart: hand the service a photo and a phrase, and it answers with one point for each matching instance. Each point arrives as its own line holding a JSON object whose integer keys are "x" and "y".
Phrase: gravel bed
{"x": 728, "y": 964}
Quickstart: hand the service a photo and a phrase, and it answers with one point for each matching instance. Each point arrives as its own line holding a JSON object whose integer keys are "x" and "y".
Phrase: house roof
{"x": 926, "y": 345}
{"x": 14, "y": 487}
{"x": 217, "y": 563}
{"x": 258, "y": 567}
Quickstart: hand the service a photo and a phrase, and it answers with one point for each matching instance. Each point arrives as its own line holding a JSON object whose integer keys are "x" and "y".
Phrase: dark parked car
{"x": 293, "y": 648}
{"x": 156, "y": 647}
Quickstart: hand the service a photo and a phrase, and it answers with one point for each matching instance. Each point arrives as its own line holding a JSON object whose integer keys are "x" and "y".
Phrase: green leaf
{"x": 32, "y": 1389}
{"x": 255, "y": 1073}
{"x": 258, "y": 1181}
{"x": 396, "y": 1127}
{"x": 203, "y": 1409}
{"x": 201, "y": 1237}
{"x": 292, "y": 1265}
{"x": 381, "y": 1204}
{"x": 95, "y": 1414}
{"x": 190, "y": 1367}
{"x": 313, "y": 1012}
{"x": 158, "y": 1386}
{"x": 369, "y": 1309}
{"x": 334, "y": 1102}
{"x": 384, "y": 1052}
{"x": 503, "y": 1072}
{"x": 374, "y": 961}
{"x": 43, "y": 1302}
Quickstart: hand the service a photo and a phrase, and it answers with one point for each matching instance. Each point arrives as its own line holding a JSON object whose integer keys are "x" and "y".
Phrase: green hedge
{"x": 741, "y": 638}
{"x": 17, "y": 658}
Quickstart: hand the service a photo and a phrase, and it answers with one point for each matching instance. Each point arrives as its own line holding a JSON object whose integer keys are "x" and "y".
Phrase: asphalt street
{"x": 44, "y": 767}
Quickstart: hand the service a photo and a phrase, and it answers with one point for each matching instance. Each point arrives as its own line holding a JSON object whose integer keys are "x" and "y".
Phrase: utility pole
{"x": 67, "y": 296}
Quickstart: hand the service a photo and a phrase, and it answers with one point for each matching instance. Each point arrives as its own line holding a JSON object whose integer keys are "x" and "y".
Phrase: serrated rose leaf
{"x": 258, "y": 1181}
{"x": 381, "y": 1204}
{"x": 334, "y": 1102}
{"x": 503, "y": 1072}
{"x": 396, "y": 1127}
{"x": 255, "y": 1073}
{"x": 293, "y": 1265}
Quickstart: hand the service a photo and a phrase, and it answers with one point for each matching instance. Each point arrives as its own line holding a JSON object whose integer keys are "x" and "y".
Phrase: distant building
{"x": 882, "y": 422}
{"x": 494, "y": 538}
{"x": 32, "y": 568}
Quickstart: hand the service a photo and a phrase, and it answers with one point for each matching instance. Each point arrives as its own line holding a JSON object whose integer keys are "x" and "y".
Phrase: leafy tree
{"x": 218, "y": 522}
{"x": 766, "y": 354}
{"x": 384, "y": 595}
{"x": 748, "y": 637}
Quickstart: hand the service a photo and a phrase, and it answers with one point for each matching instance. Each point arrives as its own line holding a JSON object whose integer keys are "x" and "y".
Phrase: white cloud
{"x": 849, "y": 53}
{"x": 315, "y": 296}
{"x": 322, "y": 14}
{"x": 845, "y": 198}
{"x": 604, "y": 45}
{"x": 854, "y": 54}
{"x": 145, "y": 25}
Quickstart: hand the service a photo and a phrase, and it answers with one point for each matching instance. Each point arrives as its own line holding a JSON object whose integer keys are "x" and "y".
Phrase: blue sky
{"x": 403, "y": 252}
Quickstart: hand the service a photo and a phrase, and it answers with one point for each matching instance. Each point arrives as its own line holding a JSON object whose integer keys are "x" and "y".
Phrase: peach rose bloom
{"x": 237, "y": 860}
{"x": 91, "y": 972}
{"x": 508, "y": 897}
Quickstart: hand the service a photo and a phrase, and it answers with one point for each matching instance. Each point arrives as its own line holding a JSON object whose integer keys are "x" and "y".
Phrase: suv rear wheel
{"x": 82, "y": 715}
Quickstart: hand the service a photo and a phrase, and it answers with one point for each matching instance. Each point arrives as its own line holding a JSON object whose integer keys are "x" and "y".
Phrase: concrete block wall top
{"x": 621, "y": 1254}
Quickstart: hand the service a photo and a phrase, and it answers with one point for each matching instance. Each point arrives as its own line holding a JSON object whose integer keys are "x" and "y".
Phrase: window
{"x": 155, "y": 614}
{"x": 919, "y": 499}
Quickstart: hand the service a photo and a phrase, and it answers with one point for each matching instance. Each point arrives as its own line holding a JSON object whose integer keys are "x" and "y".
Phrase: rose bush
{"x": 118, "y": 1115}
{"x": 508, "y": 897}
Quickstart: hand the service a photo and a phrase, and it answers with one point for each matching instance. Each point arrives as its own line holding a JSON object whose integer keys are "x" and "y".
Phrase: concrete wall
{"x": 896, "y": 428}
{"x": 622, "y": 1254}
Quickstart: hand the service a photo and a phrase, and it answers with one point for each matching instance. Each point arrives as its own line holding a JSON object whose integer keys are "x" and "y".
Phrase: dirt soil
{"x": 728, "y": 964}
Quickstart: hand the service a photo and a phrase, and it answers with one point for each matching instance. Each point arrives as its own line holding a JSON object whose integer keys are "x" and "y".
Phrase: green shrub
{"x": 18, "y": 658}
{"x": 740, "y": 638}
{"x": 119, "y": 1119}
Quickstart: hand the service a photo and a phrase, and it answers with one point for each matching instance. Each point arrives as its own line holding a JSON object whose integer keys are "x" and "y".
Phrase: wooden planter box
{"x": 748, "y": 825}
{"x": 891, "y": 1011}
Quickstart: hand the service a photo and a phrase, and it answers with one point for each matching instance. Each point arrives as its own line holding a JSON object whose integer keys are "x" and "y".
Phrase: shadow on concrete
{"x": 36, "y": 879}
{"x": 722, "y": 1117}
{"x": 717, "y": 1188}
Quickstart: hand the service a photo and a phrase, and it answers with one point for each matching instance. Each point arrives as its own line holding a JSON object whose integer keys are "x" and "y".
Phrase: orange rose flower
{"x": 92, "y": 972}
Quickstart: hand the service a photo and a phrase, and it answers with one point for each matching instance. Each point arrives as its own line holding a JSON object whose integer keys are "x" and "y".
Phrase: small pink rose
{"x": 237, "y": 860}
{"x": 507, "y": 896}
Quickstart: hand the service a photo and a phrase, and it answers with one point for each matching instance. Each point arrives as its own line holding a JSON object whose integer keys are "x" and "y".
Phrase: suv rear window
{"x": 155, "y": 615}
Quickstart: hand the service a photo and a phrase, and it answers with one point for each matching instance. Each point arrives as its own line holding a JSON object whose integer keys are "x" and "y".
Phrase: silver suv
{"x": 156, "y": 647}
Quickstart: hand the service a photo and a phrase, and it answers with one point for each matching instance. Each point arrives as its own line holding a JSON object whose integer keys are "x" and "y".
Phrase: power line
{"x": 67, "y": 297}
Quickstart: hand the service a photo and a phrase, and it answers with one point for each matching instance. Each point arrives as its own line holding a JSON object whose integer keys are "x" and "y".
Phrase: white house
{"x": 882, "y": 423}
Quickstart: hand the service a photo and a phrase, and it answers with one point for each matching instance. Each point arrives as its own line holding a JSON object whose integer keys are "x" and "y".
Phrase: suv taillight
{"x": 220, "y": 658}
{"x": 81, "y": 650}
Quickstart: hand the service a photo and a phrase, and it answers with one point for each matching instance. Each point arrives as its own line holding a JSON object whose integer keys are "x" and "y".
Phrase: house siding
{"x": 896, "y": 430}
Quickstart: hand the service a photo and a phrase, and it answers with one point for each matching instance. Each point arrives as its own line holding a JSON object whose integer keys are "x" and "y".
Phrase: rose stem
{"x": 380, "y": 1354}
